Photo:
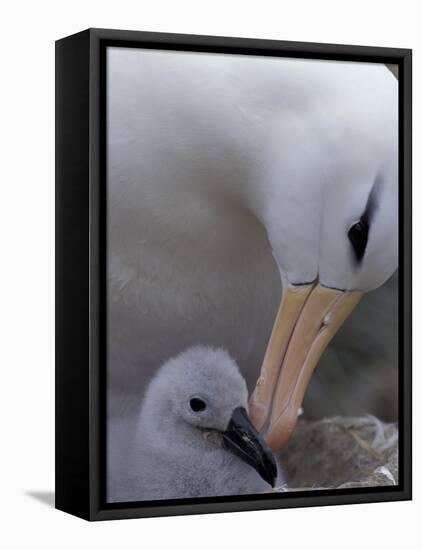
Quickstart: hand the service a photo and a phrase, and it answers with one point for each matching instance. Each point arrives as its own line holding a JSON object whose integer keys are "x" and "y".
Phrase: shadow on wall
{"x": 45, "y": 497}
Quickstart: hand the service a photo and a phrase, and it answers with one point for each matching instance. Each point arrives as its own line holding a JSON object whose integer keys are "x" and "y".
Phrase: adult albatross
{"x": 205, "y": 150}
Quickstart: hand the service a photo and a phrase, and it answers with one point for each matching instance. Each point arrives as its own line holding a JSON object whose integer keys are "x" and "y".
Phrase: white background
{"x": 27, "y": 273}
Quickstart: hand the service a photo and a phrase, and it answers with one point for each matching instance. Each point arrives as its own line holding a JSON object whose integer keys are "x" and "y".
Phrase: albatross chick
{"x": 194, "y": 437}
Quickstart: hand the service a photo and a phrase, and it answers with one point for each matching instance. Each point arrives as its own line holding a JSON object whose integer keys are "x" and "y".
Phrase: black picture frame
{"x": 81, "y": 272}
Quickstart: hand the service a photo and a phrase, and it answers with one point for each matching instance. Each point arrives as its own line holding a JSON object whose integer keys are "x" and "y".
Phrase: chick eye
{"x": 358, "y": 236}
{"x": 197, "y": 404}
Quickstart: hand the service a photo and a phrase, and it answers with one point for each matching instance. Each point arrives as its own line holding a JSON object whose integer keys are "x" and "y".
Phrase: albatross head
{"x": 333, "y": 228}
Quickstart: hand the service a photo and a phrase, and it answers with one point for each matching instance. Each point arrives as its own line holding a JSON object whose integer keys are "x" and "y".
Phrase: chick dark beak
{"x": 242, "y": 439}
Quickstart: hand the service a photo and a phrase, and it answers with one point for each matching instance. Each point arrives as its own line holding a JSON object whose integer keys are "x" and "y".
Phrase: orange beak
{"x": 308, "y": 317}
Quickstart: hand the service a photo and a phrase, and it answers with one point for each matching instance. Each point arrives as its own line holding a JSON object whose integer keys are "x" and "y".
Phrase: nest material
{"x": 341, "y": 453}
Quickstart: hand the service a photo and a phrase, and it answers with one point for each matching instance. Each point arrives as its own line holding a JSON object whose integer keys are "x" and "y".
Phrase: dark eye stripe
{"x": 358, "y": 236}
{"x": 358, "y": 233}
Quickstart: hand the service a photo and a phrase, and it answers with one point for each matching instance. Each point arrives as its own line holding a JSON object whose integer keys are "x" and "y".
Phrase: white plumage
{"x": 216, "y": 165}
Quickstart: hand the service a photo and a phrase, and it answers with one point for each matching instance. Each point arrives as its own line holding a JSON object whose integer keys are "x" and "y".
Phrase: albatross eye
{"x": 358, "y": 236}
{"x": 197, "y": 404}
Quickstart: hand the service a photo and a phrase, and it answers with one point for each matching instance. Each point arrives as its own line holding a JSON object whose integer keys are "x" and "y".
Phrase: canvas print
{"x": 252, "y": 293}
